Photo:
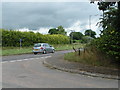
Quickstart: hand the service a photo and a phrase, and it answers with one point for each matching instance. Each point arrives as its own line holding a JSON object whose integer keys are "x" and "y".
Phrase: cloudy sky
{"x": 41, "y": 16}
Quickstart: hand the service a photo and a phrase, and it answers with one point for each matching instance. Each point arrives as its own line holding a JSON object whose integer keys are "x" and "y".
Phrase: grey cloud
{"x": 0, "y": 14}
{"x": 36, "y": 15}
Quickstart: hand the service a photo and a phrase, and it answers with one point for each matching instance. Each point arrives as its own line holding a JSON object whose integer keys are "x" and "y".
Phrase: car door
{"x": 47, "y": 48}
{"x": 51, "y": 48}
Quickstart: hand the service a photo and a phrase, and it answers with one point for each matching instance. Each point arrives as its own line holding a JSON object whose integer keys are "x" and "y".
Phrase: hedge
{"x": 12, "y": 38}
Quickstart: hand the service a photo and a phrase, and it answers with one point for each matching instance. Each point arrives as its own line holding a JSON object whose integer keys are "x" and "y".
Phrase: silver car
{"x": 43, "y": 48}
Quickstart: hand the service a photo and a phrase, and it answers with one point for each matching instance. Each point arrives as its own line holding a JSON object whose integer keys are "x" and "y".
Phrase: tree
{"x": 58, "y": 30}
{"x": 53, "y": 31}
{"x": 109, "y": 39}
{"x": 90, "y": 33}
{"x": 110, "y": 12}
{"x": 86, "y": 39}
{"x": 106, "y": 6}
{"x": 111, "y": 27}
{"x": 61, "y": 30}
{"x": 76, "y": 35}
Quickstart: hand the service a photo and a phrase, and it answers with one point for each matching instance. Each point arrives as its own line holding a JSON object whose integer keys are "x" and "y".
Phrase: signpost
{"x": 20, "y": 43}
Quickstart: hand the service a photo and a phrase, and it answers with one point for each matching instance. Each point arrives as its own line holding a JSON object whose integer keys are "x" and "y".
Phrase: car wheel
{"x": 53, "y": 51}
{"x": 44, "y": 52}
{"x": 35, "y": 53}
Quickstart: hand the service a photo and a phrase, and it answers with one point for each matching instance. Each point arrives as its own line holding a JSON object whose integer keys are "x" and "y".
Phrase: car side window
{"x": 43, "y": 45}
{"x": 47, "y": 45}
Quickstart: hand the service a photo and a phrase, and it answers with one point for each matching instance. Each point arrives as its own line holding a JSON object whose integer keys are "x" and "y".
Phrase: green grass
{"x": 93, "y": 58}
{"x": 16, "y": 50}
{"x": 68, "y": 46}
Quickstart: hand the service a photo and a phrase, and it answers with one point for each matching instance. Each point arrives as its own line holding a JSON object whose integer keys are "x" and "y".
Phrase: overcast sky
{"x": 40, "y": 16}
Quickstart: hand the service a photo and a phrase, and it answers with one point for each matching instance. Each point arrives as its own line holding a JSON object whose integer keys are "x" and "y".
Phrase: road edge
{"x": 80, "y": 72}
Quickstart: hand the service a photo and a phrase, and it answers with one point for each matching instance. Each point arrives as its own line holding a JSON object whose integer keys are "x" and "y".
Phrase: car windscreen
{"x": 37, "y": 45}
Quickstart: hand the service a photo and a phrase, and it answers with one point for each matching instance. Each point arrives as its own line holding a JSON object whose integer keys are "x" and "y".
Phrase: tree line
{"x": 74, "y": 36}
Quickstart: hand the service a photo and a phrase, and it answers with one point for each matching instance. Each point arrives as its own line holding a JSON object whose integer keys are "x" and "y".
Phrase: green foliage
{"x": 105, "y": 5}
{"x": 76, "y": 35}
{"x": 90, "y": 33}
{"x": 109, "y": 40}
{"x": 56, "y": 39}
{"x": 58, "y": 30}
{"x": 110, "y": 37}
{"x": 61, "y": 30}
{"x": 52, "y": 31}
{"x": 12, "y": 38}
{"x": 111, "y": 14}
{"x": 86, "y": 39}
{"x": 109, "y": 43}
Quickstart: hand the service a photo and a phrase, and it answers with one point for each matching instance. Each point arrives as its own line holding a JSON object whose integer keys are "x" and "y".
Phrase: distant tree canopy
{"x": 53, "y": 31}
{"x": 58, "y": 30}
{"x": 90, "y": 33}
{"x": 76, "y": 35}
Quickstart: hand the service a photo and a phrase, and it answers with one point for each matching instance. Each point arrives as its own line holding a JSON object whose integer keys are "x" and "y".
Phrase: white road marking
{"x": 25, "y": 59}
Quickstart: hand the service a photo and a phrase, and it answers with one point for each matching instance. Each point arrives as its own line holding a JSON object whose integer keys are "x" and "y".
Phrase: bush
{"x": 86, "y": 39}
{"x": 12, "y": 38}
{"x": 108, "y": 43}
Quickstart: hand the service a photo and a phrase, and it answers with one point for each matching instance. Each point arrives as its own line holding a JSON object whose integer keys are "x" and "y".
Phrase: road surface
{"x": 27, "y": 71}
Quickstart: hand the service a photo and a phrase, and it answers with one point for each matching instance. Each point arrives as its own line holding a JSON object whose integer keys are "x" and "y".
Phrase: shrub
{"x": 12, "y": 38}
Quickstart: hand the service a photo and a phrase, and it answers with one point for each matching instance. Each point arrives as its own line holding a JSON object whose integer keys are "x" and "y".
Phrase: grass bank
{"x": 17, "y": 50}
{"x": 91, "y": 57}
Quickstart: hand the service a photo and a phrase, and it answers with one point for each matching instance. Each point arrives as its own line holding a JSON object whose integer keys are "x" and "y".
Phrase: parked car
{"x": 43, "y": 48}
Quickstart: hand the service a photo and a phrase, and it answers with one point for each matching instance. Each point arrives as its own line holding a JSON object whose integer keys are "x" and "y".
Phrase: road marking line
{"x": 4, "y": 62}
{"x": 25, "y": 59}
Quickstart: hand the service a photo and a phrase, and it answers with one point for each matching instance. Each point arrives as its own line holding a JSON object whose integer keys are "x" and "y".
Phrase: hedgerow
{"x": 12, "y": 38}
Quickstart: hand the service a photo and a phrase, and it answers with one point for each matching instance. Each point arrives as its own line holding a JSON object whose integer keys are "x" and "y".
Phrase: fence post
{"x": 74, "y": 49}
{"x": 84, "y": 50}
{"x": 79, "y": 51}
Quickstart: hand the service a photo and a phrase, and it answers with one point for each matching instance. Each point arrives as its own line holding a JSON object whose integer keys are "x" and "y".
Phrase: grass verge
{"x": 91, "y": 57}
{"x": 68, "y": 46}
{"x": 16, "y": 50}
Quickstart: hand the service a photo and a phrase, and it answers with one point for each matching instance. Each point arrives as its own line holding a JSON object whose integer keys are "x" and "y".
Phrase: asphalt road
{"x": 27, "y": 71}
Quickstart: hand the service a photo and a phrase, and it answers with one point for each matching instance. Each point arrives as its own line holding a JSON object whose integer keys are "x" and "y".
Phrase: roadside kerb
{"x": 80, "y": 72}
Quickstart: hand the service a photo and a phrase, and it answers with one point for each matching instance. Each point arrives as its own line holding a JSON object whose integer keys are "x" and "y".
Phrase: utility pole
{"x": 90, "y": 22}
{"x": 72, "y": 36}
